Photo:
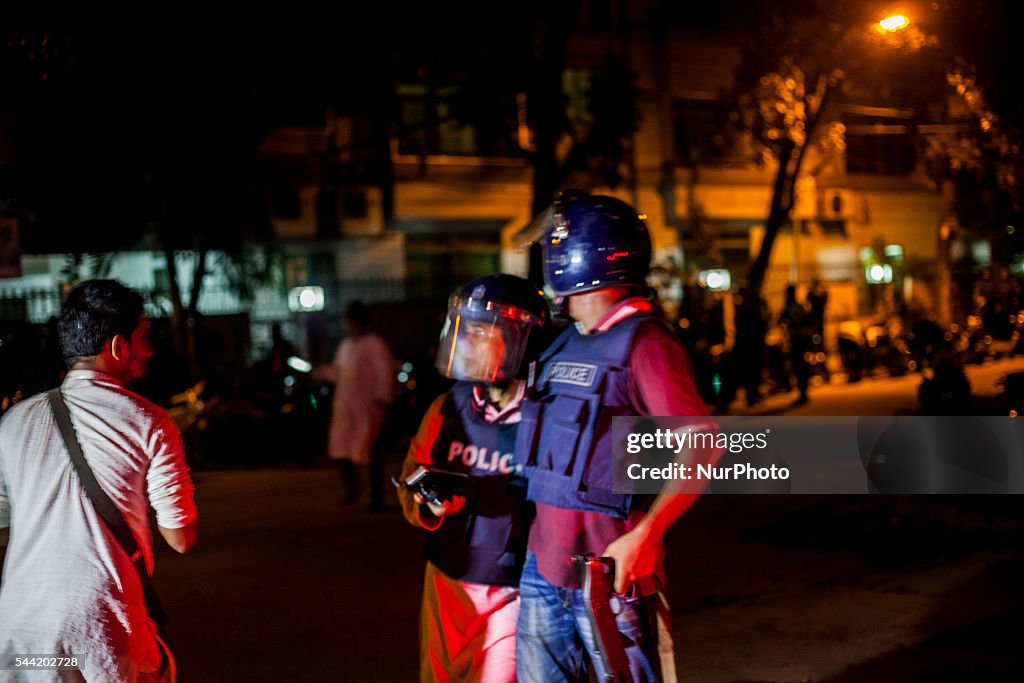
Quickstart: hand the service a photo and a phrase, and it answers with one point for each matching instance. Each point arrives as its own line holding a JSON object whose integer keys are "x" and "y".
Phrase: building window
{"x": 878, "y": 146}
{"x": 576, "y": 86}
{"x": 429, "y": 125}
{"x": 326, "y": 214}
{"x": 286, "y": 202}
{"x": 354, "y": 204}
{"x": 698, "y": 138}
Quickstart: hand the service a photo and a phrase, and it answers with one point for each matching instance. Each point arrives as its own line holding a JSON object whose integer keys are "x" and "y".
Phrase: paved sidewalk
{"x": 882, "y": 395}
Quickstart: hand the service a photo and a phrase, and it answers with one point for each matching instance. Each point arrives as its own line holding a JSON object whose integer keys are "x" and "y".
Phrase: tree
{"x": 814, "y": 57}
{"x": 975, "y": 158}
{"x": 786, "y": 103}
{"x": 125, "y": 138}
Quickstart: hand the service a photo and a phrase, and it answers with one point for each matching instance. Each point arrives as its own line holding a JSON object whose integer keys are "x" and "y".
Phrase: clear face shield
{"x": 482, "y": 340}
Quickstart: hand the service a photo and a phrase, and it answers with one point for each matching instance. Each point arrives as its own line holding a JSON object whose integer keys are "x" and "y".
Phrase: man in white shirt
{"x": 68, "y": 586}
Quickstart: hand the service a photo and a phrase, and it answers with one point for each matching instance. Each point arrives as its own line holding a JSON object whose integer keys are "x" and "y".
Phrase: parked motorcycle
{"x": 945, "y": 389}
{"x": 271, "y": 418}
{"x": 850, "y": 340}
{"x": 925, "y": 339}
{"x": 778, "y": 367}
{"x": 816, "y": 358}
{"x": 1013, "y": 394}
{"x": 192, "y": 410}
{"x": 979, "y": 340}
{"x": 297, "y": 407}
{"x": 886, "y": 348}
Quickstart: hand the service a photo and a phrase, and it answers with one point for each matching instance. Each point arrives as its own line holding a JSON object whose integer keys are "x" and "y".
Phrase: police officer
{"x": 496, "y": 324}
{"x": 615, "y": 360}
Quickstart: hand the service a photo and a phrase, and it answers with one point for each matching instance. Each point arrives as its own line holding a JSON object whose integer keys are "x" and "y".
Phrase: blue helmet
{"x": 496, "y": 324}
{"x": 594, "y": 241}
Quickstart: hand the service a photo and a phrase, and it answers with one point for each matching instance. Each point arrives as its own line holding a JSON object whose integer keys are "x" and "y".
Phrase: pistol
{"x": 434, "y": 486}
{"x": 597, "y": 579}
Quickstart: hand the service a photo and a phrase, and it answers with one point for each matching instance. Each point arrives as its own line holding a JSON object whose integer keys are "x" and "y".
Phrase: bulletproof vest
{"x": 564, "y": 440}
{"x": 486, "y": 541}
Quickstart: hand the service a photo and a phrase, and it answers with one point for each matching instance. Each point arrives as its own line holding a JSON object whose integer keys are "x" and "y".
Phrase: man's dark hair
{"x": 359, "y": 313}
{"x": 94, "y": 312}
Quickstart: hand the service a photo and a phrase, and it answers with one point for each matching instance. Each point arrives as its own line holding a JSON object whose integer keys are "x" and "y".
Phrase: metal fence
{"x": 37, "y": 306}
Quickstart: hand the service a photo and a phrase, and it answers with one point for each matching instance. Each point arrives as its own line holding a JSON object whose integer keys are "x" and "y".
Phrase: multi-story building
{"x": 458, "y": 198}
{"x": 442, "y": 201}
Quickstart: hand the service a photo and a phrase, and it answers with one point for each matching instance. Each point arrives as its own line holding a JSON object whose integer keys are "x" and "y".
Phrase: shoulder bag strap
{"x": 104, "y": 506}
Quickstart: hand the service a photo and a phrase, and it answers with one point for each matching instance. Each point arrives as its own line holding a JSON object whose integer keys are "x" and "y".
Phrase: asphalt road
{"x": 288, "y": 584}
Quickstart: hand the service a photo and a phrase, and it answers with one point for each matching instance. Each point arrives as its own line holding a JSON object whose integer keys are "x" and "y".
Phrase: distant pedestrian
{"x": 795, "y": 319}
{"x": 751, "y": 328}
{"x": 817, "y": 302}
{"x": 364, "y": 374}
{"x": 70, "y": 586}
{"x": 275, "y": 368}
{"x": 693, "y": 333}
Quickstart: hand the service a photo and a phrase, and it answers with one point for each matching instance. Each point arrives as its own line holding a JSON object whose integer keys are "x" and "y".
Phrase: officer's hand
{"x": 447, "y": 507}
{"x": 636, "y": 556}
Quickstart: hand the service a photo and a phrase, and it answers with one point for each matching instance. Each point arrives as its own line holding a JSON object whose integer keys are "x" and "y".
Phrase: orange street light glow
{"x": 894, "y": 23}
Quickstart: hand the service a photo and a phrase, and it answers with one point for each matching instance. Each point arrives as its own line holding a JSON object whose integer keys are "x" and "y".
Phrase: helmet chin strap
{"x": 645, "y": 291}
{"x": 560, "y": 307}
{"x": 506, "y": 392}
{"x": 502, "y": 385}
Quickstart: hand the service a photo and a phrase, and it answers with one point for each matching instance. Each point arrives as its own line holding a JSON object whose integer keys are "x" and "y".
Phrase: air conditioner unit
{"x": 361, "y": 210}
{"x": 835, "y": 205}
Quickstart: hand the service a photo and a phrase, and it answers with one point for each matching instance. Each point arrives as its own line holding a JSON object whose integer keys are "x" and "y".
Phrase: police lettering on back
{"x": 580, "y": 374}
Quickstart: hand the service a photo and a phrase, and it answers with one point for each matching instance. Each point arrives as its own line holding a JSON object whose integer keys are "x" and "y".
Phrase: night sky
{"x": 103, "y": 104}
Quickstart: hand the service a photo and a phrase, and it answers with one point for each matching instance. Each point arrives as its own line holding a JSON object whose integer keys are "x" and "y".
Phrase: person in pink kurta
{"x": 364, "y": 375}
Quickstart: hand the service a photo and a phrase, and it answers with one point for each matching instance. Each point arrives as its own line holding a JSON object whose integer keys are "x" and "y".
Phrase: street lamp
{"x": 715, "y": 280}
{"x": 305, "y": 299}
{"x": 896, "y": 31}
{"x": 878, "y": 274}
{"x": 789, "y": 110}
{"x": 894, "y": 23}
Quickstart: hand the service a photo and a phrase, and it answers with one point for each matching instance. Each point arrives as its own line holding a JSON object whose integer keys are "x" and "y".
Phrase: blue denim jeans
{"x": 553, "y": 633}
